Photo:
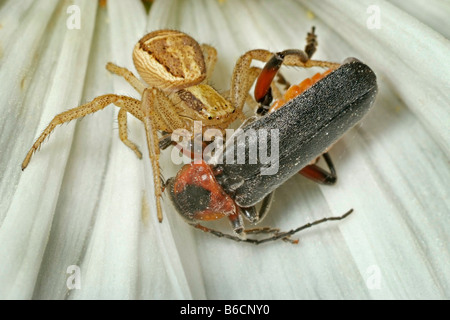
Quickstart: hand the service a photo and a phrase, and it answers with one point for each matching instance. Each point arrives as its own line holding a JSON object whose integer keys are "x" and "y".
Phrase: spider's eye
{"x": 209, "y": 118}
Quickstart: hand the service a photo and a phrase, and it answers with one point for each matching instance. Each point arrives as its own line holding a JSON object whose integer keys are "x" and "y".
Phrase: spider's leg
{"x": 123, "y": 133}
{"x": 95, "y": 105}
{"x": 158, "y": 114}
{"x": 128, "y": 76}
{"x": 319, "y": 175}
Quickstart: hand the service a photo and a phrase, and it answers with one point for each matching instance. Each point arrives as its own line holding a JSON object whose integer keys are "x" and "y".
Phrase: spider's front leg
{"x": 244, "y": 74}
{"x": 126, "y": 104}
{"x": 138, "y": 85}
{"x": 158, "y": 113}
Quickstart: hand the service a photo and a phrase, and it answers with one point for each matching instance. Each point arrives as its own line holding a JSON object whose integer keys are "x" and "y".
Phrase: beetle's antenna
{"x": 282, "y": 235}
{"x": 276, "y": 234}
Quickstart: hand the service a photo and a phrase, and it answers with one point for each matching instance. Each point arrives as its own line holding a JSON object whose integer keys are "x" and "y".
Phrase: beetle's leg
{"x": 290, "y": 57}
{"x": 210, "y": 54}
{"x": 128, "y": 76}
{"x": 265, "y": 206}
{"x": 256, "y": 216}
{"x": 274, "y": 92}
{"x": 318, "y": 174}
{"x": 263, "y": 94}
{"x": 250, "y": 213}
{"x": 248, "y": 231}
{"x": 95, "y": 105}
{"x": 158, "y": 114}
{"x": 217, "y": 233}
{"x": 310, "y": 49}
{"x": 237, "y": 224}
{"x": 241, "y": 79}
{"x": 311, "y": 42}
{"x": 242, "y": 75}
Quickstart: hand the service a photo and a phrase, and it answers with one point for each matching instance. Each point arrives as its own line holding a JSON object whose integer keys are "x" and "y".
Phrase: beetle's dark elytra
{"x": 307, "y": 125}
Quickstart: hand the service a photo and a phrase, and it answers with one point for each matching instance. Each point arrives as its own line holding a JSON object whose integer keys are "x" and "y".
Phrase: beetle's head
{"x": 197, "y": 196}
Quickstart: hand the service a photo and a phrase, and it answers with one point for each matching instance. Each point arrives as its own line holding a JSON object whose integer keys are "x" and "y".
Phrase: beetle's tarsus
{"x": 311, "y": 42}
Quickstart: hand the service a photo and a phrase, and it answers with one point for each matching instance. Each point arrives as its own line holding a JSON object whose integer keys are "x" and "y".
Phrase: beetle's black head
{"x": 190, "y": 200}
{"x": 196, "y": 194}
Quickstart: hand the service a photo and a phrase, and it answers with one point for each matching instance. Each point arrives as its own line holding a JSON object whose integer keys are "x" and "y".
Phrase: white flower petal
{"x": 405, "y": 49}
{"x": 26, "y": 225}
{"x": 434, "y": 14}
{"x": 113, "y": 245}
{"x": 78, "y": 200}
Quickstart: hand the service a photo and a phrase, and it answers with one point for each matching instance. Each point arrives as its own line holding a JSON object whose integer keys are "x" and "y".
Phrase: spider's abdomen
{"x": 169, "y": 60}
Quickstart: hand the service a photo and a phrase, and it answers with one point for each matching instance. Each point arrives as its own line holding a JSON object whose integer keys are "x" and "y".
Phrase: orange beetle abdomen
{"x": 296, "y": 90}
